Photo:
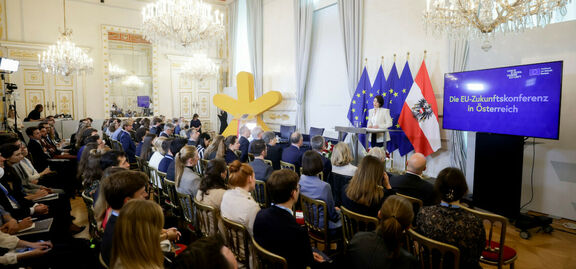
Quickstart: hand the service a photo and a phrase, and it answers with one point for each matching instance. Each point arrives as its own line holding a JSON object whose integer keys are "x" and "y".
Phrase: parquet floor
{"x": 556, "y": 250}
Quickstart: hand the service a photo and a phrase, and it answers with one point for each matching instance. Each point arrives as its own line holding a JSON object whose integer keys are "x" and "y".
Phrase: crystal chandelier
{"x": 199, "y": 67}
{"x": 116, "y": 71}
{"x": 483, "y": 18}
{"x": 188, "y": 23}
{"x": 64, "y": 57}
{"x": 133, "y": 82}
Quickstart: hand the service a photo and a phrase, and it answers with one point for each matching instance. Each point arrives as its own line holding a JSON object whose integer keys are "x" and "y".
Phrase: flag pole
{"x": 382, "y": 62}
{"x": 407, "y": 56}
{"x": 394, "y": 57}
{"x": 424, "y": 56}
{"x": 365, "y": 62}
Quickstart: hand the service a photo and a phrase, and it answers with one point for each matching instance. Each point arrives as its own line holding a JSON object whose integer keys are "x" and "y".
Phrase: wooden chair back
{"x": 170, "y": 189}
{"x": 207, "y": 217}
{"x": 268, "y": 162}
{"x": 93, "y": 228}
{"x": 260, "y": 194}
{"x": 238, "y": 240}
{"x": 416, "y": 203}
{"x": 185, "y": 203}
{"x": 116, "y": 145}
{"x": 264, "y": 259}
{"x": 316, "y": 220}
{"x": 432, "y": 253}
{"x": 353, "y": 222}
{"x": 320, "y": 175}
{"x": 285, "y": 165}
{"x": 495, "y": 238}
{"x": 155, "y": 183}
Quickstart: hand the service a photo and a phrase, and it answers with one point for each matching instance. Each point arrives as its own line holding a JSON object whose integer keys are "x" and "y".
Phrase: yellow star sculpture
{"x": 246, "y": 107}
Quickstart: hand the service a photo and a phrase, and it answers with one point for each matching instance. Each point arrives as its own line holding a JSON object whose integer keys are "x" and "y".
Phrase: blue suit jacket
{"x": 129, "y": 147}
{"x": 293, "y": 155}
{"x": 244, "y": 145}
{"x": 165, "y": 163}
{"x": 261, "y": 169}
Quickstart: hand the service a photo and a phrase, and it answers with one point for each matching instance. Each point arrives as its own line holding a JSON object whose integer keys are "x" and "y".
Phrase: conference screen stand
{"x": 498, "y": 173}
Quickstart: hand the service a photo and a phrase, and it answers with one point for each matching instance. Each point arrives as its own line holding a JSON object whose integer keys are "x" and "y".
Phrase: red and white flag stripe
{"x": 419, "y": 119}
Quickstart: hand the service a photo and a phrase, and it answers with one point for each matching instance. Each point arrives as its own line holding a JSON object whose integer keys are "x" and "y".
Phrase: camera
{"x": 11, "y": 87}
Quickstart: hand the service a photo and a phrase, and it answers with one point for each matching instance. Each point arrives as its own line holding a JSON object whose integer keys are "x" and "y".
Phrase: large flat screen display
{"x": 519, "y": 100}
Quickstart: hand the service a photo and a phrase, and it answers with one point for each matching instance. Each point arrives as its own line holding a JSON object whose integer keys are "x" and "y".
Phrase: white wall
{"x": 555, "y": 162}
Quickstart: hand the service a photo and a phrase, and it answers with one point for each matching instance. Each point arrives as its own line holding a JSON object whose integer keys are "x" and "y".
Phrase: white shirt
{"x": 238, "y": 205}
{"x": 380, "y": 117}
{"x": 155, "y": 160}
{"x": 346, "y": 170}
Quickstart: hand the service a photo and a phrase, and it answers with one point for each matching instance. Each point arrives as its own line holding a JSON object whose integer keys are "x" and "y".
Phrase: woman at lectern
{"x": 379, "y": 118}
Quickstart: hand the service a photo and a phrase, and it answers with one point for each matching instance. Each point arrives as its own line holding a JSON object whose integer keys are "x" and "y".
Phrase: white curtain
{"x": 458, "y": 50}
{"x": 303, "y": 17}
{"x": 254, "y": 12}
{"x": 351, "y": 21}
{"x": 232, "y": 40}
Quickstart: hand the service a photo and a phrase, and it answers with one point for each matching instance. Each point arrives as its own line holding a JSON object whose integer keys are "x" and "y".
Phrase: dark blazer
{"x": 274, "y": 154}
{"x": 244, "y": 145}
{"x": 261, "y": 169}
{"x": 165, "y": 163}
{"x": 106, "y": 246}
{"x": 293, "y": 155}
{"x": 15, "y": 191}
{"x": 230, "y": 156}
{"x": 171, "y": 172}
{"x": 40, "y": 159}
{"x": 413, "y": 185}
{"x": 369, "y": 250}
{"x": 327, "y": 164}
{"x": 128, "y": 146}
{"x": 276, "y": 230}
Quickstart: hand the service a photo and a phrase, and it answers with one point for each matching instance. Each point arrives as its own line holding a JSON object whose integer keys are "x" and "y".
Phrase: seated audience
{"x": 203, "y": 143}
{"x": 117, "y": 129}
{"x": 341, "y": 160}
{"x": 411, "y": 183}
{"x": 32, "y": 181}
{"x": 146, "y": 149}
{"x": 175, "y": 147}
{"x": 261, "y": 169}
{"x": 140, "y": 133}
{"x": 449, "y": 223}
{"x": 213, "y": 185}
{"x": 257, "y": 134}
{"x": 155, "y": 126}
{"x": 382, "y": 247}
{"x": 81, "y": 141}
{"x": 192, "y": 136}
{"x": 216, "y": 149}
{"x": 113, "y": 158}
{"x": 244, "y": 142}
{"x": 319, "y": 145}
{"x": 159, "y": 152}
{"x": 168, "y": 156}
{"x": 125, "y": 139}
{"x": 187, "y": 181}
{"x": 276, "y": 229}
{"x": 313, "y": 187}
{"x": 273, "y": 151}
{"x": 293, "y": 153}
{"x": 237, "y": 203}
{"x": 208, "y": 252}
{"x": 136, "y": 243}
{"x": 232, "y": 145}
{"x": 168, "y": 130}
{"x": 9, "y": 243}
{"x": 368, "y": 188}
{"x": 102, "y": 211}
{"x": 39, "y": 153}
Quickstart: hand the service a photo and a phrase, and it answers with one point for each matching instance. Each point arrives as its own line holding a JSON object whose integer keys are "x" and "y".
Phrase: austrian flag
{"x": 419, "y": 116}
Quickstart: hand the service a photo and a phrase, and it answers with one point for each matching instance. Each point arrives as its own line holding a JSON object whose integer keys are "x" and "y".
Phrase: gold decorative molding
{"x": 3, "y": 21}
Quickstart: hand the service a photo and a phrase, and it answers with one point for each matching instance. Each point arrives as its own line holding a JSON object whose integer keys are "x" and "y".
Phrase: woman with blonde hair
{"x": 237, "y": 203}
{"x": 187, "y": 181}
{"x": 379, "y": 153}
{"x": 368, "y": 188}
{"x": 136, "y": 243}
{"x": 341, "y": 160}
{"x": 158, "y": 153}
{"x": 216, "y": 149}
{"x": 395, "y": 217}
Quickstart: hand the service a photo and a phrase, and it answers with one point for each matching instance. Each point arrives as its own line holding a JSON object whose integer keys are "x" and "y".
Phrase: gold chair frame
{"x": 423, "y": 248}
{"x": 238, "y": 240}
{"x": 207, "y": 217}
{"x": 264, "y": 259}
{"x": 353, "y": 222}
{"x": 311, "y": 209}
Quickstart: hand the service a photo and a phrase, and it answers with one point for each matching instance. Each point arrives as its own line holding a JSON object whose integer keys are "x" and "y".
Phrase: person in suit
{"x": 261, "y": 169}
{"x": 276, "y": 229}
{"x": 319, "y": 145}
{"x": 379, "y": 118}
{"x": 244, "y": 143}
{"x": 411, "y": 183}
{"x": 126, "y": 141}
{"x": 293, "y": 154}
{"x": 39, "y": 154}
{"x": 273, "y": 151}
{"x": 167, "y": 164}
{"x": 155, "y": 128}
{"x": 168, "y": 130}
{"x": 257, "y": 133}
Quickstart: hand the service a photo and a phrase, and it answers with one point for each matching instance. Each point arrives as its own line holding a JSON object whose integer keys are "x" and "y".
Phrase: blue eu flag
{"x": 398, "y": 140}
{"x": 377, "y": 89}
{"x": 358, "y": 113}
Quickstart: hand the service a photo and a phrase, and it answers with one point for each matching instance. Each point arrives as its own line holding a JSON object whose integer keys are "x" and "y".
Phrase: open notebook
{"x": 39, "y": 226}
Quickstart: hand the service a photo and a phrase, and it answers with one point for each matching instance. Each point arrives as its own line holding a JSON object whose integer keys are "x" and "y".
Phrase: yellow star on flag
{"x": 363, "y": 92}
{"x": 390, "y": 101}
{"x": 391, "y": 91}
{"x": 356, "y": 118}
{"x": 397, "y": 125}
{"x": 404, "y": 91}
{"x": 353, "y": 110}
{"x": 353, "y": 101}
{"x": 366, "y": 117}
{"x": 395, "y": 94}
{"x": 364, "y": 110}
{"x": 371, "y": 95}
{"x": 357, "y": 95}
{"x": 384, "y": 94}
